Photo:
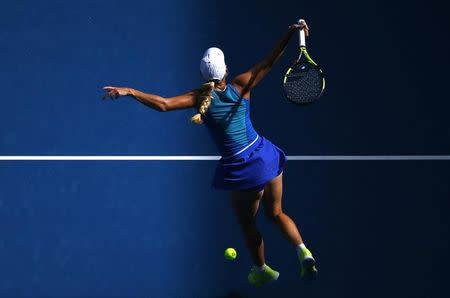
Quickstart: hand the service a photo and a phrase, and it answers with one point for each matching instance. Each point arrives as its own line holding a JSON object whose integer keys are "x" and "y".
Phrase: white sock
{"x": 301, "y": 247}
{"x": 260, "y": 269}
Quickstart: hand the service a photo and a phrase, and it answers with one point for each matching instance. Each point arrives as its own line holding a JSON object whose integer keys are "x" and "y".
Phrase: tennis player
{"x": 251, "y": 167}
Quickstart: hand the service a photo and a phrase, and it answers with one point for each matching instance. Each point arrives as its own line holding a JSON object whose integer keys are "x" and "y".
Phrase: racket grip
{"x": 302, "y": 38}
{"x": 301, "y": 32}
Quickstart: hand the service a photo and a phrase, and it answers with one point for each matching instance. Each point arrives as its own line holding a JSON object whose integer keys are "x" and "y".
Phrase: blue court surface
{"x": 156, "y": 228}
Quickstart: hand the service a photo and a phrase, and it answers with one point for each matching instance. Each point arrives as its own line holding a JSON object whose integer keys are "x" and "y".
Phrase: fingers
{"x": 111, "y": 93}
{"x": 114, "y": 94}
{"x": 302, "y": 25}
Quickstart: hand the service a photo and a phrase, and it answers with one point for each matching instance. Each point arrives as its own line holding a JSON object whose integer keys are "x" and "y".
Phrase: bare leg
{"x": 245, "y": 206}
{"x": 272, "y": 208}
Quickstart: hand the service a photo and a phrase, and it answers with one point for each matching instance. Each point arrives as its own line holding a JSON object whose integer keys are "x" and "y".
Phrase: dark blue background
{"x": 157, "y": 229}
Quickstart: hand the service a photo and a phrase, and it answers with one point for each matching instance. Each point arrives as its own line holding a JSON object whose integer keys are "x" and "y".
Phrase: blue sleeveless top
{"x": 228, "y": 122}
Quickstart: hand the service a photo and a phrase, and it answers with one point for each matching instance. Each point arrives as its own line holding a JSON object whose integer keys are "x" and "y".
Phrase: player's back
{"x": 228, "y": 121}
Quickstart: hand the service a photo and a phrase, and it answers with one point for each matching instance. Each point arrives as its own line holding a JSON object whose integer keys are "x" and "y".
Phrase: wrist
{"x": 292, "y": 29}
{"x": 131, "y": 91}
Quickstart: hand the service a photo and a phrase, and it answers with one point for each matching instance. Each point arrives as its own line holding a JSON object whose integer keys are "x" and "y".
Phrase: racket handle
{"x": 302, "y": 35}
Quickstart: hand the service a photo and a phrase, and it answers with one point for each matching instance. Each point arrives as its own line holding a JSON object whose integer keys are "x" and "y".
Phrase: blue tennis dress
{"x": 248, "y": 160}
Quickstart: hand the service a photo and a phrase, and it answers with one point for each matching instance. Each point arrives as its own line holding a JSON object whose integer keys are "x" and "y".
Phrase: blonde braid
{"x": 204, "y": 100}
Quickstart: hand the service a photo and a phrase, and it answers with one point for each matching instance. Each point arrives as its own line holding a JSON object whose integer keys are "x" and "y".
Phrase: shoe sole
{"x": 277, "y": 274}
{"x": 310, "y": 272}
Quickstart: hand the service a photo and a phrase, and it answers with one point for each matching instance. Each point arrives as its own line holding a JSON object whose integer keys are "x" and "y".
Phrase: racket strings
{"x": 304, "y": 83}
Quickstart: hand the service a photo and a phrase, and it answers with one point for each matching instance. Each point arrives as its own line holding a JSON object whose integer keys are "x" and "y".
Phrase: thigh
{"x": 273, "y": 193}
{"x": 245, "y": 204}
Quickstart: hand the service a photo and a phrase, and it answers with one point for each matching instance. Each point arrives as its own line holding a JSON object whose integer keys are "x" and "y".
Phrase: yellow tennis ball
{"x": 230, "y": 253}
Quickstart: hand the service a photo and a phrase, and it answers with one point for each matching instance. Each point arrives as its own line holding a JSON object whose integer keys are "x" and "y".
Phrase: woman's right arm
{"x": 156, "y": 102}
{"x": 249, "y": 79}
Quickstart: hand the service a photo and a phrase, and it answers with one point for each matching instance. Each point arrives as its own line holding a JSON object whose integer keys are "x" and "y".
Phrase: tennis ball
{"x": 230, "y": 253}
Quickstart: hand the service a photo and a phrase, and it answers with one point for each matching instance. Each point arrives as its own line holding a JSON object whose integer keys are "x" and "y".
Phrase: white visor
{"x": 212, "y": 65}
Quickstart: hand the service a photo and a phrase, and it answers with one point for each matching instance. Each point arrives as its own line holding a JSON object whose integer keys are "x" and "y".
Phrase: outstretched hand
{"x": 299, "y": 26}
{"x": 115, "y": 92}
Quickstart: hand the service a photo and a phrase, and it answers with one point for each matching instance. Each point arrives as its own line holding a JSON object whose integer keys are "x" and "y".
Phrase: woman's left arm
{"x": 156, "y": 102}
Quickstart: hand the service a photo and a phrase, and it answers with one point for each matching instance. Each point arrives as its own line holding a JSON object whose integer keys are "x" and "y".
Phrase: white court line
{"x": 369, "y": 157}
{"x": 211, "y": 157}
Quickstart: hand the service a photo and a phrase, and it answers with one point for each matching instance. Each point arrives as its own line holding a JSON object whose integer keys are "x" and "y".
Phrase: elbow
{"x": 163, "y": 106}
{"x": 267, "y": 66}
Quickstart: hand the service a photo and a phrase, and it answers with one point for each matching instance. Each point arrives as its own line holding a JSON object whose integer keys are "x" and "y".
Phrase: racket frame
{"x": 303, "y": 53}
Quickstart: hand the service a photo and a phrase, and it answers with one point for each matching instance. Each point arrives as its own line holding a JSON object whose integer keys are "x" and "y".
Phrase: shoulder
{"x": 238, "y": 90}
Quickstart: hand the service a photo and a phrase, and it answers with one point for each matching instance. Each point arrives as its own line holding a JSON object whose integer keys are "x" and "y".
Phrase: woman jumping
{"x": 251, "y": 167}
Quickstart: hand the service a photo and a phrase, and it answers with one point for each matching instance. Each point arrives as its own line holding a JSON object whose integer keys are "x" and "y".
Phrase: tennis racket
{"x": 304, "y": 81}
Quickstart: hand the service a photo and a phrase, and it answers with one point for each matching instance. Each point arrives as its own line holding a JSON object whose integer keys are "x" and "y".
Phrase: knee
{"x": 274, "y": 215}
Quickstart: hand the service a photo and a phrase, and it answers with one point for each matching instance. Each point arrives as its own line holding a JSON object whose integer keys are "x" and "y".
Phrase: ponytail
{"x": 204, "y": 100}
